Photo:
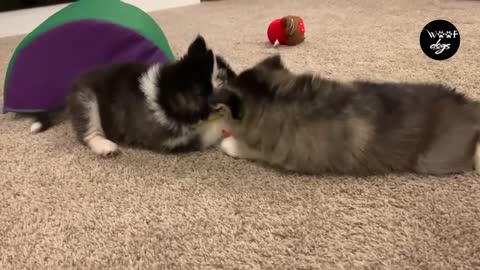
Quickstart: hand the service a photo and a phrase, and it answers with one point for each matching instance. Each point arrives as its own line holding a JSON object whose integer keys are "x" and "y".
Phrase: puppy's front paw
{"x": 231, "y": 147}
{"x": 103, "y": 147}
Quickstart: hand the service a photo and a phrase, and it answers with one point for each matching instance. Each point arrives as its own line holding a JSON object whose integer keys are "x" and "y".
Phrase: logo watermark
{"x": 439, "y": 39}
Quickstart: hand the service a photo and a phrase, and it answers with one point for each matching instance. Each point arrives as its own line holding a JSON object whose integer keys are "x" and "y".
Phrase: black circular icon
{"x": 439, "y": 39}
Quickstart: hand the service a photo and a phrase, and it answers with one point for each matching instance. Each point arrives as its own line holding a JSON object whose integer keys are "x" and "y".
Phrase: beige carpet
{"x": 61, "y": 207}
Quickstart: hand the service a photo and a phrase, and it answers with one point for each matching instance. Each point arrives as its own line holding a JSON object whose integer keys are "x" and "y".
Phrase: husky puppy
{"x": 155, "y": 107}
{"x": 308, "y": 124}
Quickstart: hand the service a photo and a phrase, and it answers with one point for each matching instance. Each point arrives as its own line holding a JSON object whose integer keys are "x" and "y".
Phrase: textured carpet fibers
{"x": 62, "y": 207}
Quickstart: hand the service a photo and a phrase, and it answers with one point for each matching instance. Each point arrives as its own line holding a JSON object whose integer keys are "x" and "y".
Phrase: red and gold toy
{"x": 289, "y": 30}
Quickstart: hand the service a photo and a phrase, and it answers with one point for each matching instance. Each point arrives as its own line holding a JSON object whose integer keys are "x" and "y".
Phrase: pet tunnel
{"x": 83, "y": 35}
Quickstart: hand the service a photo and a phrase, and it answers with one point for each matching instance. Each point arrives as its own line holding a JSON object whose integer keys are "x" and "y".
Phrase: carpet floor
{"x": 62, "y": 207}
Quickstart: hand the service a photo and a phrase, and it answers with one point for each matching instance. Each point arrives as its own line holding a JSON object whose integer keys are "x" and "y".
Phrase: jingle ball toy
{"x": 288, "y": 30}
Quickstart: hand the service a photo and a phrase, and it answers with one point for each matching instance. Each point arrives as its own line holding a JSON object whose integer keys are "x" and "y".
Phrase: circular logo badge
{"x": 439, "y": 39}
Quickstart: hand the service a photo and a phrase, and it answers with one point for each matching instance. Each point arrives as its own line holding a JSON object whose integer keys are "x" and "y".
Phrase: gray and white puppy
{"x": 308, "y": 124}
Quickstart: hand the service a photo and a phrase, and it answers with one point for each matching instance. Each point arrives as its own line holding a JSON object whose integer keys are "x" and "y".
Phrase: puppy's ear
{"x": 223, "y": 65}
{"x": 209, "y": 60}
{"x": 272, "y": 62}
{"x": 226, "y": 99}
{"x": 198, "y": 46}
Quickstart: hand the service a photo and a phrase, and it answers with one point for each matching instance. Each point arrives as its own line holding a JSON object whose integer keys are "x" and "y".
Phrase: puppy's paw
{"x": 103, "y": 147}
{"x": 36, "y": 127}
{"x": 231, "y": 147}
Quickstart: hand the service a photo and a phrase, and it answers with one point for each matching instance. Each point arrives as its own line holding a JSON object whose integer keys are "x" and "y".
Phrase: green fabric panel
{"x": 114, "y": 11}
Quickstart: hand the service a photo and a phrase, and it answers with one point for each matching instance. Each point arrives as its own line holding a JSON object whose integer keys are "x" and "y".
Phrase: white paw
{"x": 103, "y": 147}
{"x": 35, "y": 127}
{"x": 230, "y": 146}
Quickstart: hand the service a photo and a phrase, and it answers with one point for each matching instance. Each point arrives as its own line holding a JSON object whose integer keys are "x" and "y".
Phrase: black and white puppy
{"x": 155, "y": 107}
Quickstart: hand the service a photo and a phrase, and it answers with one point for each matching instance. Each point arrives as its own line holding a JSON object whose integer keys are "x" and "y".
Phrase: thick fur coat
{"x": 309, "y": 124}
{"x": 155, "y": 107}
